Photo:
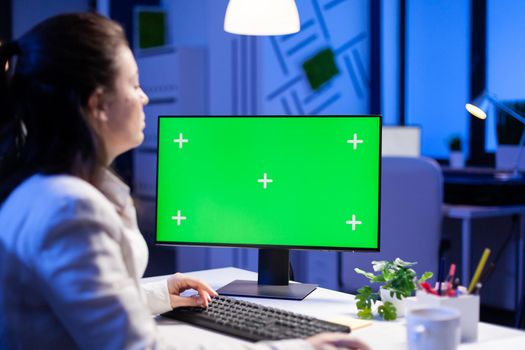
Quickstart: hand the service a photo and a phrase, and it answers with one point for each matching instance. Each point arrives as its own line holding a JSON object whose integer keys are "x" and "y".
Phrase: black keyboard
{"x": 253, "y": 321}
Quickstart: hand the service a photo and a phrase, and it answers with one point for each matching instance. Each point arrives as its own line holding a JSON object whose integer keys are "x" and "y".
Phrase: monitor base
{"x": 242, "y": 288}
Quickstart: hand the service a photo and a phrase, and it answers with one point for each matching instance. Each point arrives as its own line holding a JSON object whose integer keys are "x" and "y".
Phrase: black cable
{"x": 490, "y": 268}
{"x": 519, "y": 316}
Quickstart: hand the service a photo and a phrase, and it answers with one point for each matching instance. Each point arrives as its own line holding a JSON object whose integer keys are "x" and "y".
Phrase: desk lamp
{"x": 261, "y": 17}
{"x": 478, "y": 108}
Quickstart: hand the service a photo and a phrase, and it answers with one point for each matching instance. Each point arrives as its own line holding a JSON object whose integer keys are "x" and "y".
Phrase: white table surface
{"x": 325, "y": 304}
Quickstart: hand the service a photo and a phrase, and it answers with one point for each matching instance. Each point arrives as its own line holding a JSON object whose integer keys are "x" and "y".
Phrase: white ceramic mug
{"x": 433, "y": 329}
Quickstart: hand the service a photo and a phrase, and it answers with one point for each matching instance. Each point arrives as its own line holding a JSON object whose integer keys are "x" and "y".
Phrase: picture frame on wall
{"x": 150, "y": 29}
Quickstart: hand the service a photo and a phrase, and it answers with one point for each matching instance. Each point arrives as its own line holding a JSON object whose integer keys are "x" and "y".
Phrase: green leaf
{"x": 387, "y": 311}
{"x": 388, "y": 274}
{"x": 365, "y": 314}
{"x": 366, "y": 290}
{"x": 365, "y": 298}
{"x": 378, "y": 278}
{"x": 425, "y": 277}
{"x": 362, "y": 303}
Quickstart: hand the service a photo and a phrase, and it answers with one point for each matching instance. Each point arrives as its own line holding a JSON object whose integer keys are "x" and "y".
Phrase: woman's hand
{"x": 178, "y": 283}
{"x": 330, "y": 341}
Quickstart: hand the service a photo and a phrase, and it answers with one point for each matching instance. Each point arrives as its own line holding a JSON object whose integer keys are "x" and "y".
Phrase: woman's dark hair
{"x": 43, "y": 99}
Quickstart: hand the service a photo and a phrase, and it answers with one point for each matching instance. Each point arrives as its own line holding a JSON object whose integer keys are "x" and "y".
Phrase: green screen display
{"x": 295, "y": 182}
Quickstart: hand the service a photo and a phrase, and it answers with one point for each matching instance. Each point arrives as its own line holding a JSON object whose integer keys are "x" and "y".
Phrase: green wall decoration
{"x": 320, "y": 68}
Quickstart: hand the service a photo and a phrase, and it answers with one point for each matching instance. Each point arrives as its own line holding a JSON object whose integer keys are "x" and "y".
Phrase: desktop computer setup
{"x": 272, "y": 182}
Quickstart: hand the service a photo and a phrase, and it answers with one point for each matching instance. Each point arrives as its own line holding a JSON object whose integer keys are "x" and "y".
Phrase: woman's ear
{"x": 97, "y": 106}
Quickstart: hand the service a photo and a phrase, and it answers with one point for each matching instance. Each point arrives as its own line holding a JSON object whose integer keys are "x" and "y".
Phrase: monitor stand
{"x": 273, "y": 279}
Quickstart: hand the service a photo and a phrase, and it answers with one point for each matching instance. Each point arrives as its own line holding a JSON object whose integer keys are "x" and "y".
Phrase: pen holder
{"x": 467, "y": 305}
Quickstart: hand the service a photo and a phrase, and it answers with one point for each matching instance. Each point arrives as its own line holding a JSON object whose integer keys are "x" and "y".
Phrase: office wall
{"x": 188, "y": 22}
{"x": 26, "y": 13}
{"x": 390, "y": 61}
{"x": 505, "y": 55}
{"x": 506, "y": 49}
{"x": 437, "y": 71}
{"x": 264, "y": 75}
{"x": 343, "y": 27}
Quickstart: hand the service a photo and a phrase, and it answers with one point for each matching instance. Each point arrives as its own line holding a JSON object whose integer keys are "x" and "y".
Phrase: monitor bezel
{"x": 270, "y": 246}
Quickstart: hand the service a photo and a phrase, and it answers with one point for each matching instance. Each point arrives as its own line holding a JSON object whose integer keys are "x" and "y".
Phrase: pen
{"x": 449, "y": 281}
{"x": 479, "y": 268}
{"x": 450, "y": 277}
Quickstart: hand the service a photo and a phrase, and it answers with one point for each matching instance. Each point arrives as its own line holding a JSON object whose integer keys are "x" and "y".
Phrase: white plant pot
{"x": 456, "y": 159}
{"x": 398, "y": 303}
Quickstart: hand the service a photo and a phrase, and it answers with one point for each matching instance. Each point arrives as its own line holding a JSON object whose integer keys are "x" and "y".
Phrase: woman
{"x": 71, "y": 255}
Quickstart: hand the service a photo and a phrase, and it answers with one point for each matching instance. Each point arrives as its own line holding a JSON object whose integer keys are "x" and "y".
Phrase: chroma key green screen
{"x": 269, "y": 181}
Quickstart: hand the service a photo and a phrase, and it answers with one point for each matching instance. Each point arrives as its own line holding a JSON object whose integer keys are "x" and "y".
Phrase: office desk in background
{"x": 326, "y": 304}
{"x": 467, "y": 213}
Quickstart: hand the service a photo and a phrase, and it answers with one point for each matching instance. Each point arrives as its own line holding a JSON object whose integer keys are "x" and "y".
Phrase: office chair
{"x": 411, "y": 216}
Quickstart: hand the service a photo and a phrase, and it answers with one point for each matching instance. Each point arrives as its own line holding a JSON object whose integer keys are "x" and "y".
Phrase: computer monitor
{"x": 272, "y": 182}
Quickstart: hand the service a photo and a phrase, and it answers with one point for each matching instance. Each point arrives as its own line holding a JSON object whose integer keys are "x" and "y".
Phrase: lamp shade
{"x": 262, "y": 17}
{"x": 479, "y": 106}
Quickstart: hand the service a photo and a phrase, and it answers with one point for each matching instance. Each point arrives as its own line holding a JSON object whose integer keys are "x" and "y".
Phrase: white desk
{"x": 325, "y": 304}
{"x": 466, "y": 213}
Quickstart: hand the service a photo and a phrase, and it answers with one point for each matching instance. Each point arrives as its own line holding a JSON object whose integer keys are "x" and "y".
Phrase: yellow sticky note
{"x": 353, "y": 323}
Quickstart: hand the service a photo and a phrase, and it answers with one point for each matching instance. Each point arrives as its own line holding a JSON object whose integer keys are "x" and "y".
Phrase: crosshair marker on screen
{"x": 265, "y": 180}
{"x": 355, "y": 141}
{"x": 178, "y": 218}
{"x": 353, "y": 222}
{"x": 180, "y": 140}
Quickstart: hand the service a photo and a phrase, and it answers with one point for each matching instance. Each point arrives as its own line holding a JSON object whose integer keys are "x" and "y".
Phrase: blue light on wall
{"x": 505, "y": 56}
{"x": 438, "y": 37}
{"x": 342, "y": 26}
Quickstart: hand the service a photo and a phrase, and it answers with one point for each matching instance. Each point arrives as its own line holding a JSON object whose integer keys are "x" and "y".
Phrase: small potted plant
{"x": 456, "y": 159}
{"x": 398, "y": 281}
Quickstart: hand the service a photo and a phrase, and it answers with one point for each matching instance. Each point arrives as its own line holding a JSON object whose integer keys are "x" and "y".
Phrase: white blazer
{"x": 71, "y": 258}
